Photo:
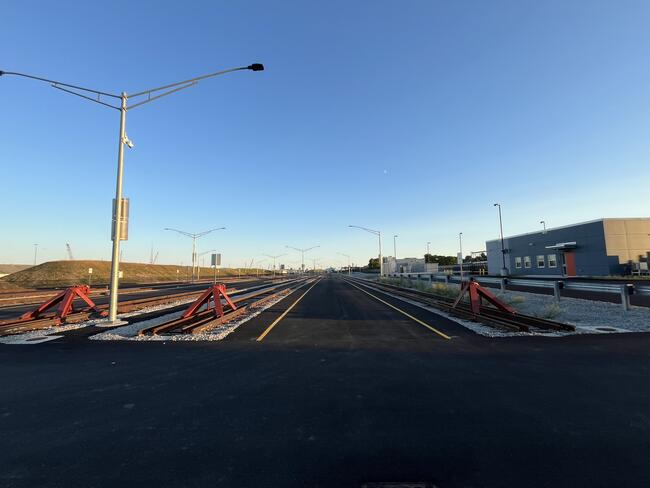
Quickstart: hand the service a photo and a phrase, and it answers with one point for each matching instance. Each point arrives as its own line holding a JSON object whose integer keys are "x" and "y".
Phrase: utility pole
{"x": 35, "y": 253}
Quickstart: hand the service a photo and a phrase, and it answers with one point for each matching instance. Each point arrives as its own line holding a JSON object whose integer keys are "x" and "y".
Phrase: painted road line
{"x": 270, "y": 327}
{"x": 433, "y": 329}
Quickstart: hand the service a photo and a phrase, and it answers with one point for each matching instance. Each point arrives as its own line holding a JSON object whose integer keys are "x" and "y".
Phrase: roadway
{"x": 329, "y": 387}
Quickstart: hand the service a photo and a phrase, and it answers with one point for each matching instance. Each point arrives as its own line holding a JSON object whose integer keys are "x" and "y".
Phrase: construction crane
{"x": 69, "y": 250}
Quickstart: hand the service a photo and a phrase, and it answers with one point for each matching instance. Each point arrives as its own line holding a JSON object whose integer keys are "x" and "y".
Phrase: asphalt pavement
{"x": 333, "y": 386}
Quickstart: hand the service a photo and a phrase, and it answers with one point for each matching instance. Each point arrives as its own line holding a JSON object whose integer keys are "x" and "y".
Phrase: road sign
{"x": 90, "y": 271}
{"x": 121, "y": 274}
{"x": 216, "y": 259}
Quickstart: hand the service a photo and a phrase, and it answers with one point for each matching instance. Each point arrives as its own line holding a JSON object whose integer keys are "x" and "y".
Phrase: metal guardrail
{"x": 625, "y": 290}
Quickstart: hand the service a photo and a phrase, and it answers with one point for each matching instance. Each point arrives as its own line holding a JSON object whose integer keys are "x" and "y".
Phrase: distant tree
{"x": 441, "y": 260}
{"x": 373, "y": 263}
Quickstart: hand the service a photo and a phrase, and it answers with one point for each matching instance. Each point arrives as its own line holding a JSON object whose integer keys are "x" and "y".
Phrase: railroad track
{"x": 488, "y": 316}
{"x": 206, "y": 319}
{"x": 10, "y": 327}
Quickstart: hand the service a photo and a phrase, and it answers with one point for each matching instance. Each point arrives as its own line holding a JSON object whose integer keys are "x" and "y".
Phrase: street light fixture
{"x": 504, "y": 270}
{"x": 543, "y": 222}
{"x": 194, "y": 238}
{"x": 274, "y": 258}
{"x": 347, "y": 256}
{"x": 302, "y": 254}
{"x": 378, "y": 234}
{"x": 119, "y": 207}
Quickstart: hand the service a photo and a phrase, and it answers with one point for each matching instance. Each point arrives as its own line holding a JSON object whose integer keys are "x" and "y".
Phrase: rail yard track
{"x": 488, "y": 315}
{"x": 206, "y": 319}
{"x": 17, "y": 326}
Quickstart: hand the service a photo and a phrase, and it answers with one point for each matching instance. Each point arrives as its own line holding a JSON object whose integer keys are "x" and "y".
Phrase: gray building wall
{"x": 590, "y": 254}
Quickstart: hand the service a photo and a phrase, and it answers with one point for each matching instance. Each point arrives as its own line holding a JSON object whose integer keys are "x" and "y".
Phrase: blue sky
{"x": 411, "y": 117}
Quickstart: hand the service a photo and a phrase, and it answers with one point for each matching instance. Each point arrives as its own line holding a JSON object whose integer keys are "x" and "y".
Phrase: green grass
{"x": 437, "y": 289}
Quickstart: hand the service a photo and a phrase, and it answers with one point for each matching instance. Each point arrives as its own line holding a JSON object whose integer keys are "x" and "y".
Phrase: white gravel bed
{"x": 588, "y": 316}
{"x": 42, "y": 335}
{"x": 130, "y": 332}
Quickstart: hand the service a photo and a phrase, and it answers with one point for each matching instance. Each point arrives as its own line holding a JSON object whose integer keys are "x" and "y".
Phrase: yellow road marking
{"x": 270, "y": 327}
{"x": 441, "y": 334}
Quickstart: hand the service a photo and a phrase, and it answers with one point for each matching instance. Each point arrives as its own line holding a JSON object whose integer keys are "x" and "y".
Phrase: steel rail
{"x": 489, "y": 316}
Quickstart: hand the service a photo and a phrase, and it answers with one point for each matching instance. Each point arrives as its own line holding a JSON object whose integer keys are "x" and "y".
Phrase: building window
{"x": 526, "y": 261}
{"x": 518, "y": 263}
{"x": 540, "y": 261}
{"x": 552, "y": 261}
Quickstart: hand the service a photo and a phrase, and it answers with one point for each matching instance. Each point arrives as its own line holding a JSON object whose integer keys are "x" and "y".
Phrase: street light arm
{"x": 376, "y": 232}
{"x": 180, "y": 232}
{"x": 252, "y": 67}
{"x": 274, "y": 257}
{"x": 96, "y": 100}
{"x": 54, "y": 82}
{"x": 201, "y": 234}
{"x": 151, "y": 99}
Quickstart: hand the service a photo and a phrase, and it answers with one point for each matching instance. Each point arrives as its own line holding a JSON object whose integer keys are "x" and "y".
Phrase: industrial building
{"x": 600, "y": 247}
{"x": 408, "y": 265}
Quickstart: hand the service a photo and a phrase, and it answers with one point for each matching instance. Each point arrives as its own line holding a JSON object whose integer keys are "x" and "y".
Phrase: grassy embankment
{"x": 65, "y": 273}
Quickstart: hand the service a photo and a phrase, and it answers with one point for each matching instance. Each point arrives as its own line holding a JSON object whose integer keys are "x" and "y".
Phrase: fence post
{"x": 625, "y": 296}
{"x": 557, "y": 286}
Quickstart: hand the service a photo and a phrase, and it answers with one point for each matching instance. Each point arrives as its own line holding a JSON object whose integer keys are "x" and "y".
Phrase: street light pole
{"x": 428, "y": 248}
{"x": 274, "y": 258}
{"x": 378, "y": 234}
{"x": 302, "y": 254}
{"x": 543, "y": 222}
{"x": 347, "y": 256}
{"x": 198, "y": 268}
{"x": 123, "y": 97}
{"x": 194, "y": 238}
{"x": 35, "y": 253}
{"x": 504, "y": 270}
{"x": 395, "y": 248}
{"x": 460, "y": 242}
{"x": 117, "y": 214}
